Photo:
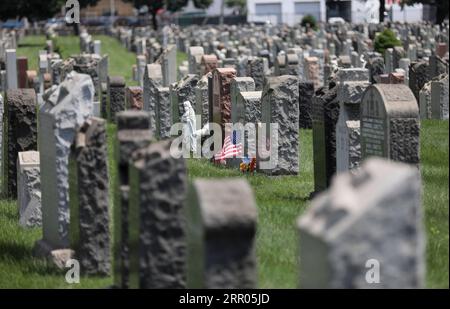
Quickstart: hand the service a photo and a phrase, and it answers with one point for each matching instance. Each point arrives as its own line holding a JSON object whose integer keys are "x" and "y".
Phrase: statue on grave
{"x": 189, "y": 126}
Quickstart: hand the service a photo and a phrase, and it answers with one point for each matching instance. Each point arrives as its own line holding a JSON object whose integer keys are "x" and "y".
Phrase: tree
{"x": 385, "y": 40}
{"x": 442, "y": 7}
{"x": 239, "y": 4}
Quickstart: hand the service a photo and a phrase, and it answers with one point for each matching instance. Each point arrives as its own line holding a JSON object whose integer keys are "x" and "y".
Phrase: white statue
{"x": 189, "y": 126}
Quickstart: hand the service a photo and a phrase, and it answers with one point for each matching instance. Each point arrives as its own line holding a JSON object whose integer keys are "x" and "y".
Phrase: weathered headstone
{"x": 169, "y": 65}
{"x": 222, "y": 218}
{"x": 163, "y": 113}
{"x": 238, "y": 85}
{"x": 183, "y": 90}
{"x": 152, "y": 80}
{"x": 390, "y": 123}
{"x": 201, "y": 99}
{"x": 22, "y": 67}
{"x": 29, "y": 189}
{"x": 352, "y": 84}
{"x": 89, "y": 202}
{"x": 208, "y": 64}
{"x": 20, "y": 133}
{"x": 134, "y": 98}
{"x": 369, "y": 219}
{"x": 325, "y": 114}
{"x": 255, "y": 69}
{"x": 116, "y": 90}
{"x": 306, "y": 93}
{"x": 280, "y": 105}
{"x": 133, "y": 133}
{"x": 312, "y": 71}
{"x": 157, "y": 222}
{"x": 66, "y": 108}
{"x": 195, "y": 57}
{"x": 439, "y": 99}
{"x": 418, "y": 77}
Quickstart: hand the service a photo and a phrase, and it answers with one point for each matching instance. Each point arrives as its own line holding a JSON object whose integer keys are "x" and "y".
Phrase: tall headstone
{"x": 89, "y": 202}
{"x": 280, "y": 106}
{"x": 163, "y": 113}
{"x": 29, "y": 189}
{"x": 19, "y": 133}
{"x": 195, "y": 57}
{"x": 325, "y": 114}
{"x": 152, "y": 80}
{"x": 372, "y": 218}
{"x": 22, "y": 67}
{"x": 208, "y": 64}
{"x": 390, "y": 124}
{"x": 11, "y": 69}
{"x": 238, "y": 85}
{"x": 352, "y": 84}
{"x": 221, "y": 96}
{"x": 157, "y": 218}
{"x": 418, "y": 77}
{"x": 66, "y": 108}
{"x": 221, "y": 217}
{"x": 201, "y": 99}
{"x": 439, "y": 98}
{"x": 306, "y": 93}
{"x": 116, "y": 90}
{"x": 169, "y": 65}
{"x": 255, "y": 69}
{"x": 133, "y": 133}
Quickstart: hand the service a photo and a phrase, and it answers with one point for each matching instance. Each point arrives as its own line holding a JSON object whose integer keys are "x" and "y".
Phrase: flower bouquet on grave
{"x": 248, "y": 165}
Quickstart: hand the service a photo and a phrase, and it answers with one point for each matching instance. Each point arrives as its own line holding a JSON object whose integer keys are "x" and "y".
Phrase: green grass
{"x": 30, "y": 47}
{"x": 280, "y": 201}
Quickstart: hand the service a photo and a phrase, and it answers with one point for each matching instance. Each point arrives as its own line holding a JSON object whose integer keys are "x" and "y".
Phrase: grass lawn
{"x": 280, "y": 200}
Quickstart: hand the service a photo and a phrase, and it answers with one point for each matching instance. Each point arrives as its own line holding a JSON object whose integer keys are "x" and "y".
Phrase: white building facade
{"x": 285, "y": 11}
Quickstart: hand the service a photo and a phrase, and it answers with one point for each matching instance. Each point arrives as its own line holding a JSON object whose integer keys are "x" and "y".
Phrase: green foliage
{"x": 202, "y": 4}
{"x": 241, "y": 4}
{"x": 386, "y": 39}
{"x": 309, "y": 20}
{"x": 176, "y": 5}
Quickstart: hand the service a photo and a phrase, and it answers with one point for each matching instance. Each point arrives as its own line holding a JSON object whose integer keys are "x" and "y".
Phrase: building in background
{"x": 355, "y": 11}
{"x": 285, "y": 11}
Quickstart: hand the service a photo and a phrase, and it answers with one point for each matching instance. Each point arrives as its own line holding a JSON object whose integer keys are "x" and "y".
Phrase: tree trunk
{"x": 382, "y": 10}
{"x": 154, "y": 22}
{"x": 76, "y": 29}
{"x": 442, "y": 12}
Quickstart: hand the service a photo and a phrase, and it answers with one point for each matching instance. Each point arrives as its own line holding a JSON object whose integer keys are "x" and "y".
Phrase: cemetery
{"x": 306, "y": 153}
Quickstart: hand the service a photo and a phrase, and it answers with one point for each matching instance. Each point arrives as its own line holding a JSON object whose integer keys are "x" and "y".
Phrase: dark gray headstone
{"x": 116, "y": 90}
{"x": 157, "y": 220}
{"x": 222, "y": 217}
{"x": 89, "y": 201}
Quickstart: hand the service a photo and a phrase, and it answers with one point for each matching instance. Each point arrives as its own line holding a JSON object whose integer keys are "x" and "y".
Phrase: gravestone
{"x": 183, "y": 90}
{"x": 152, "y": 80}
{"x": 157, "y": 222}
{"x": 221, "y": 96}
{"x": 439, "y": 99}
{"x": 163, "y": 113}
{"x": 375, "y": 65}
{"x": 195, "y": 56}
{"x": 247, "y": 111}
{"x": 238, "y": 85}
{"x": 208, "y": 64}
{"x": 201, "y": 99}
{"x": 221, "y": 216}
{"x": 325, "y": 113}
{"x": 29, "y": 189}
{"x": 390, "y": 123}
{"x": 66, "y": 108}
{"x": 116, "y": 90}
{"x": 312, "y": 71}
{"x": 11, "y": 69}
{"x": 134, "y": 100}
{"x": 352, "y": 84}
{"x": 20, "y": 133}
{"x": 255, "y": 70}
{"x": 418, "y": 77}
{"x": 169, "y": 65}
{"x": 365, "y": 219}
{"x": 133, "y": 133}
{"x": 280, "y": 105}
{"x": 89, "y": 202}
{"x": 306, "y": 93}
{"x": 2, "y": 106}
{"x": 22, "y": 67}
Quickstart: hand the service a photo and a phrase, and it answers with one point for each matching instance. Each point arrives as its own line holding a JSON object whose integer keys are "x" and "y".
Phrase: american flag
{"x": 229, "y": 149}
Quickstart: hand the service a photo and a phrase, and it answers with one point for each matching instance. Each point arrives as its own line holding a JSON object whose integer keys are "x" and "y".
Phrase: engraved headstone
{"x": 29, "y": 189}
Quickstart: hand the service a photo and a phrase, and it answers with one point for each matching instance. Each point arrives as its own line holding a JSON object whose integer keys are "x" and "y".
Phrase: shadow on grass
{"x": 22, "y": 255}
{"x": 25, "y": 45}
